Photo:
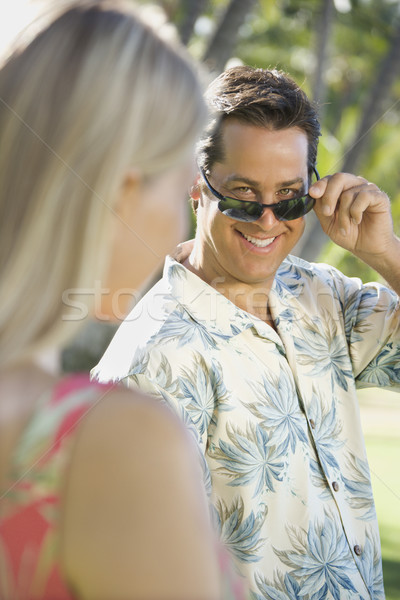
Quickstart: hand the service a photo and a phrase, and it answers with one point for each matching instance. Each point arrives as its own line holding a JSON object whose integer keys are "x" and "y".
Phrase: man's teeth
{"x": 257, "y": 242}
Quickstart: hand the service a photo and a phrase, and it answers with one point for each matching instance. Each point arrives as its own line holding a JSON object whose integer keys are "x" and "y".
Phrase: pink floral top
{"x": 30, "y": 502}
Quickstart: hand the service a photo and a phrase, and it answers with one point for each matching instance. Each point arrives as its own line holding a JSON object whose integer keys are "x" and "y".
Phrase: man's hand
{"x": 356, "y": 215}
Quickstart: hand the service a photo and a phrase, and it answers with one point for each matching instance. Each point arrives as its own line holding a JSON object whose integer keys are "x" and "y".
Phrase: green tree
{"x": 223, "y": 42}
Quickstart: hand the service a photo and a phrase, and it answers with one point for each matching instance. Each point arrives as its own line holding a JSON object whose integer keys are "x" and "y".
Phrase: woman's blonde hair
{"x": 93, "y": 94}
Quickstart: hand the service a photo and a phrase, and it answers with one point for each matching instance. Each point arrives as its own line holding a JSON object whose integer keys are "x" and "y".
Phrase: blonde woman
{"x": 100, "y": 491}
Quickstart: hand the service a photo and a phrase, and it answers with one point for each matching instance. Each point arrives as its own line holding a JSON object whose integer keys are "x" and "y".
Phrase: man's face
{"x": 265, "y": 166}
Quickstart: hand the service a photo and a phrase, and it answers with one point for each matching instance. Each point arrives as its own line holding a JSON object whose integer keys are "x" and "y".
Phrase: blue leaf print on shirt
{"x": 326, "y": 432}
{"x": 278, "y": 408}
{"x": 239, "y": 534}
{"x": 290, "y": 279}
{"x": 318, "y": 479}
{"x": 356, "y": 309}
{"x": 177, "y": 271}
{"x": 282, "y": 588}
{"x": 204, "y": 391}
{"x": 359, "y": 487}
{"x": 250, "y": 459}
{"x": 182, "y": 329}
{"x": 322, "y": 560}
{"x": 235, "y": 330}
{"x": 139, "y": 362}
{"x": 384, "y": 369}
{"x": 371, "y": 569}
{"x": 285, "y": 318}
{"x": 324, "y": 349}
{"x": 163, "y": 377}
{"x": 198, "y": 389}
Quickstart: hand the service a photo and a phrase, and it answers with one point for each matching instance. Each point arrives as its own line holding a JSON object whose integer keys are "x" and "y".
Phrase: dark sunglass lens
{"x": 239, "y": 210}
{"x": 253, "y": 210}
{"x": 294, "y": 209}
{"x": 308, "y": 204}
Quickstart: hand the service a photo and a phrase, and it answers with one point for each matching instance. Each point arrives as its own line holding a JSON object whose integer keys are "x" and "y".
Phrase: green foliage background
{"x": 283, "y": 34}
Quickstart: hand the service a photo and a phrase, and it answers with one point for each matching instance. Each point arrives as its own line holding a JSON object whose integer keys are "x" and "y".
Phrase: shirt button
{"x": 357, "y": 550}
{"x": 312, "y": 423}
{"x": 335, "y": 486}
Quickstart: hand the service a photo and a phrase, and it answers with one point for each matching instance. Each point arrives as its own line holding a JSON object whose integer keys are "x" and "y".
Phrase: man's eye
{"x": 243, "y": 190}
{"x": 289, "y": 193}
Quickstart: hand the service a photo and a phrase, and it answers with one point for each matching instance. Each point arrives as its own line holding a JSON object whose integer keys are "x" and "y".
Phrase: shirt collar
{"x": 208, "y": 307}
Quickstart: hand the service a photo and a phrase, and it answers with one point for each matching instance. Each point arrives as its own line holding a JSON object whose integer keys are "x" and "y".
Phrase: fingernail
{"x": 343, "y": 232}
{"x": 326, "y": 210}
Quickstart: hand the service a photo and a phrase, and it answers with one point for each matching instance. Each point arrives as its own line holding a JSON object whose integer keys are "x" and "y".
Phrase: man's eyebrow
{"x": 253, "y": 183}
{"x": 291, "y": 182}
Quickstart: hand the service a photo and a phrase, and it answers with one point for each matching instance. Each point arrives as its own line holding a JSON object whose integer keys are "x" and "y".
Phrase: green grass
{"x": 384, "y": 461}
{"x": 381, "y": 420}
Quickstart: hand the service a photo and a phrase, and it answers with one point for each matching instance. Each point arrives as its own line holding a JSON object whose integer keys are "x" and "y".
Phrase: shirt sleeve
{"x": 372, "y": 326}
{"x": 174, "y": 383}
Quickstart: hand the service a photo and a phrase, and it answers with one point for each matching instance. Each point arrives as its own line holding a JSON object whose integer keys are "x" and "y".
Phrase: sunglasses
{"x": 248, "y": 211}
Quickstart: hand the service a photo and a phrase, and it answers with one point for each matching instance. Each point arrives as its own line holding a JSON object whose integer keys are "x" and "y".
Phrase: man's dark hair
{"x": 257, "y": 97}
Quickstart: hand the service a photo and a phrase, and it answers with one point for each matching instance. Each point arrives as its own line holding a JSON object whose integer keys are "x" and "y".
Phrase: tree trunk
{"x": 323, "y": 36}
{"x": 192, "y": 10}
{"x": 388, "y": 69}
{"x": 314, "y": 238}
{"x": 223, "y": 42}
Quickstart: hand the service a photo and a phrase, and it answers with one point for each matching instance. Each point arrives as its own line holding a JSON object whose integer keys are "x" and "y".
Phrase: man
{"x": 261, "y": 352}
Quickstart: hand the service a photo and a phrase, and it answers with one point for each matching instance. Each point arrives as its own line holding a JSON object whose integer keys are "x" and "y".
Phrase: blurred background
{"x": 346, "y": 55}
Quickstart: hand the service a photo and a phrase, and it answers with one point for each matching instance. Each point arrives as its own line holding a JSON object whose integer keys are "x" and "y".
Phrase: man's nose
{"x": 267, "y": 218}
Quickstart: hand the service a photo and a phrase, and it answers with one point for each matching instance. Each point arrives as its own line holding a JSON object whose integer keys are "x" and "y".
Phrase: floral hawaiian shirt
{"x": 276, "y": 417}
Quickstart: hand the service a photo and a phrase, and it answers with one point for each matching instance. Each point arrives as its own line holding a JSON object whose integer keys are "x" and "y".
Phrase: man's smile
{"x": 259, "y": 242}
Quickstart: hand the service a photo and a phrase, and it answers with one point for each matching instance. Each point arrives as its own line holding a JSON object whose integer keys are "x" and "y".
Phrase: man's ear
{"x": 195, "y": 188}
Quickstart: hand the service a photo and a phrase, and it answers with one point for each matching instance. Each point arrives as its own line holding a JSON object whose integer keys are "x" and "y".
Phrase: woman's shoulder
{"x": 122, "y": 412}
{"x": 135, "y": 478}
{"x": 129, "y": 432}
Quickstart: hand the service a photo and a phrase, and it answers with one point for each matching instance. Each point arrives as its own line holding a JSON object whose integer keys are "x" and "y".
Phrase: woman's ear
{"x": 129, "y": 190}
